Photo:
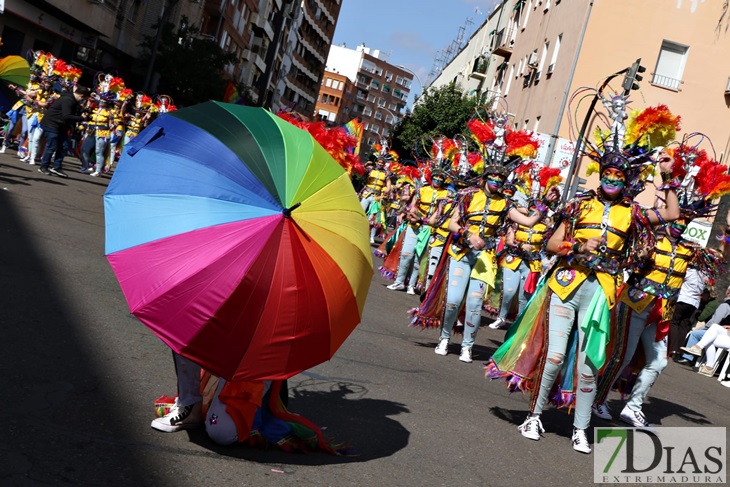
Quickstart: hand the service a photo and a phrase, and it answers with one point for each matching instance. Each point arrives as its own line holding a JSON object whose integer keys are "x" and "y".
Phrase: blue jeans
{"x": 188, "y": 380}
{"x": 513, "y": 282}
{"x": 101, "y": 144}
{"x": 408, "y": 260}
{"x": 461, "y": 284}
{"x": 694, "y": 338}
{"x": 434, "y": 255}
{"x": 563, "y": 315}
{"x": 655, "y": 352}
{"x": 85, "y": 151}
{"x": 55, "y": 143}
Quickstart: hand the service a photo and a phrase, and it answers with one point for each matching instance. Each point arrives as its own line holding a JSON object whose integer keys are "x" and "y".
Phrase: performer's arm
{"x": 671, "y": 212}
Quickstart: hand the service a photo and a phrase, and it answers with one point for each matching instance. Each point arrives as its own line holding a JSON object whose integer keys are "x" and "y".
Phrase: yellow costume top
{"x": 483, "y": 216}
{"x": 534, "y": 236}
{"x": 445, "y": 208}
{"x": 610, "y": 222}
{"x": 99, "y": 120}
{"x": 662, "y": 278}
{"x": 375, "y": 183}
{"x": 425, "y": 203}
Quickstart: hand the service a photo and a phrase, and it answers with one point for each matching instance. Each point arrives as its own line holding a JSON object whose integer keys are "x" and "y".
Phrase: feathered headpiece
{"x": 630, "y": 147}
{"x": 502, "y": 148}
{"x": 535, "y": 180}
{"x": 702, "y": 179}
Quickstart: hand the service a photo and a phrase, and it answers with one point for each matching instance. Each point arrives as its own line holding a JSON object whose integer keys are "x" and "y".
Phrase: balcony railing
{"x": 666, "y": 82}
{"x": 503, "y": 42}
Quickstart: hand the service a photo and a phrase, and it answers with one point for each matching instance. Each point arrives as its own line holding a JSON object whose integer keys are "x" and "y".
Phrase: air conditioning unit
{"x": 727, "y": 86}
{"x": 533, "y": 59}
{"x": 551, "y": 68}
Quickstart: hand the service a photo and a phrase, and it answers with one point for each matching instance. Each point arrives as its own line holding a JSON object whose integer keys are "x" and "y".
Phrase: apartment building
{"x": 96, "y": 35}
{"x": 381, "y": 89}
{"x": 545, "y": 50}
{"x": 336, "y": 99}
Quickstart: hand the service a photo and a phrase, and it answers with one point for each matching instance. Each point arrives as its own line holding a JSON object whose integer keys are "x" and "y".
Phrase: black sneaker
{"x": 58, "y": 172}
{"x": 44, "y": 170}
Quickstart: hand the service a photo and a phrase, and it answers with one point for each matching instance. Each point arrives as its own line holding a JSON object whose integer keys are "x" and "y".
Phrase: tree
{"x": 444, "y": 110}
{"x": 191, "y": 68}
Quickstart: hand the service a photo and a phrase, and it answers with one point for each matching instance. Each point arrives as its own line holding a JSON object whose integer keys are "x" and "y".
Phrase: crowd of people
{"x": 478, "y": 222}
{"x": 54, "y": 114}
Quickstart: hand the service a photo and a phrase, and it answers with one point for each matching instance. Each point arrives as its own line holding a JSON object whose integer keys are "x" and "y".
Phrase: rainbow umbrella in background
{"x": 15, "y": 69}
{"x": 238, "y": 240}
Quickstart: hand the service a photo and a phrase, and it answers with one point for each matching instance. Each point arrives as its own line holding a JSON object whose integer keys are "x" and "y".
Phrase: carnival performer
{"x": 376, "y": 184}
{"x": 418, "y": 231}
{"x": 477, "y": 220}
{"x": 646, "y": 302}
{"x": 100, "y": 125}
{"x": 248, "y": 412}
{"x": 46, "y": 96}
{"x": 522, "y": 263}
{"x": 598, "y": 235}
{"x": 19, "y": 112}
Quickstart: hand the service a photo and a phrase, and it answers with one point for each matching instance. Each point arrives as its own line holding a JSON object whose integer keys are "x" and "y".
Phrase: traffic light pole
{"x": 569, "y": 186}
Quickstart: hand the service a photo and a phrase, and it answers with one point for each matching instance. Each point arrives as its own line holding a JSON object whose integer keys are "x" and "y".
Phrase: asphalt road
{"x": 80, "y": 374}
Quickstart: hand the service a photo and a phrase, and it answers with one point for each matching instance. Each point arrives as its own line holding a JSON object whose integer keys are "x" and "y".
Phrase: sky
{"x": 411, "y": 32}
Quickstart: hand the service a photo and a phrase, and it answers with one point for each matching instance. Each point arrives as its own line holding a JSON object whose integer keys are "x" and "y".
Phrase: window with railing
{"x": 670, "y": 65}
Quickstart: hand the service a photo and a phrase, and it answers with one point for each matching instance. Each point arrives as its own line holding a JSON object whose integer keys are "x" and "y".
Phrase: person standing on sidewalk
{"x": 60, "y": 117}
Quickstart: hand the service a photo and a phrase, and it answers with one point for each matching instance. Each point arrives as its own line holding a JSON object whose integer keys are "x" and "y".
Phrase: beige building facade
{"x": 545, "y": 50}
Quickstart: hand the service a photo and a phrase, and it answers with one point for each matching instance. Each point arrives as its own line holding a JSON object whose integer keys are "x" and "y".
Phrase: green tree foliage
{"x": 444, "y": 110}
{"x": 190, "y": 68}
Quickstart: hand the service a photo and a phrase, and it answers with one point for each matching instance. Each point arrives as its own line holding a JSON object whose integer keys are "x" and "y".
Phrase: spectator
{"x": 687, "y": 303}
{"x": 715, "y": 337}
{"x": 60, "y": 117}
{"x": 721, "y": 313}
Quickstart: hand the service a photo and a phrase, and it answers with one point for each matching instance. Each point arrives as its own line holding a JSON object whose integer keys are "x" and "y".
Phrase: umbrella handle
{"x": 287, "y": 211}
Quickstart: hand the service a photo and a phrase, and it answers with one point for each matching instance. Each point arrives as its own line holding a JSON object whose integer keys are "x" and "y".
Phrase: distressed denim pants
{"x": 461, "y": 284}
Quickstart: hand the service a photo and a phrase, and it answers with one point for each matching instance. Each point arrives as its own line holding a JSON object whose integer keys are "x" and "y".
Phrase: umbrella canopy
{"x": 238, "y": 240}
{"x": 16, "y": 70}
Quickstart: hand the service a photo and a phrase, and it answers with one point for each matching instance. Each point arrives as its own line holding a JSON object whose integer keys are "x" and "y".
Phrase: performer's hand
{"x": 590, "y": 245}
{"x": 476, "y": 242}
{"x": 553, "y": 195}
{"x": 666, "y": 161}
{"x": 527, "y": 248}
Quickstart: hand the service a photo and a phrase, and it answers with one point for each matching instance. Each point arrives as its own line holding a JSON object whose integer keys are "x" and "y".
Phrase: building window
{"x": 543, "y": 57}
{"x": 556, "y": 50}
{"x": 388, "y": 76}
{"x": 392, "y": 106}
{"x": 378, "y": 116}
{"x": 367, "y": 112}
{"x": 389, "y": 119}
{"x": 366, "y": 127}
{"x": 371, "y": 98}
{"x": 670, "y": 65}
{"x": 328, "y": 82}
{"x": 537, "y": 124}
{"x": 324, "y": 98}
{"x": 375, "y": 128}
{"x": 381, "y": 102}
{"x": 371, "y": 140}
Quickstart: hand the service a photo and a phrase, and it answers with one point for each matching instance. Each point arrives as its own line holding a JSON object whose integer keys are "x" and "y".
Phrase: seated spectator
{"x": 715, "y": 337}
{"x": 721, "y": 313}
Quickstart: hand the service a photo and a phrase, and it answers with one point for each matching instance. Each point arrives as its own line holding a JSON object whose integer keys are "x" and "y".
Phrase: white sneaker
{"x": 443, "y": 347}
{"x": 25, "y": 158}
{"x": 95, "y": 173}
{"x": 498, "y": 323}
{"x": 372, "y": 241}
{"x": 634, "y": 418}
{"x": 725, "y": 383}
{"x": 580, "y": 441}
{"x": 411, "y": 290}
{"x": 601, "y": 411}
{"x": 465, "y": 355}
{"x": 396, "y": 286}
{"x": 180, "y": 417}
{"x": 2, "y": 149}
{"x": 31, "y": 162}
{"x": 532, "y": 428}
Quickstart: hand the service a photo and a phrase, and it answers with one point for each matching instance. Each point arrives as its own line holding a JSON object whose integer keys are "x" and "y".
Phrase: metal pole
{"x": 166, "y": 10}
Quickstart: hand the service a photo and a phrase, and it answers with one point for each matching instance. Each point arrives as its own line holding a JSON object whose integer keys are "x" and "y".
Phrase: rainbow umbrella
{"x": 15, "y": 69}
{"x": 238, "y": 241}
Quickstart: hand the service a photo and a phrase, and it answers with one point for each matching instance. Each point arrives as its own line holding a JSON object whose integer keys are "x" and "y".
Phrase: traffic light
{"x": 633, "y": 77}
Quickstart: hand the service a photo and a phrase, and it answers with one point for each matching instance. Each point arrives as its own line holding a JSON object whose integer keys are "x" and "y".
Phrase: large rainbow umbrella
{"x": 15, "y": 69}
{"x": 238, "y": 241}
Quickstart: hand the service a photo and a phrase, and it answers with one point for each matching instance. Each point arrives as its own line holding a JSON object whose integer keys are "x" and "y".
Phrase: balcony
{"x": 503, "y": 43}
{"x": 479, "y": 70}
{"x": 666, "y": 82}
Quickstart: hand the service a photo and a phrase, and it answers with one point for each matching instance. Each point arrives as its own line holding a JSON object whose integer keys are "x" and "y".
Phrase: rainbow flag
{"x": 232, "y": 95}
{"x": 354, "y": 128}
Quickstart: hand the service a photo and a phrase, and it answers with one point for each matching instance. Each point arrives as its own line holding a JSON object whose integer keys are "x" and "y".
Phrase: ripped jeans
{"x": 461, "y": 284}
{"x": 408, "y": 259}
{"x": 434, "y": 256}
{"x": 513, "y": 282}
{"x": 563, "y": 316}
{"x": 655, "y": 352}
